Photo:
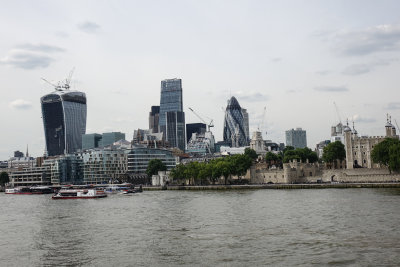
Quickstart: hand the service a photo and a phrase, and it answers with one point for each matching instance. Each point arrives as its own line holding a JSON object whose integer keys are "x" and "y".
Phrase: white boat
{"x": 79, "y": 193}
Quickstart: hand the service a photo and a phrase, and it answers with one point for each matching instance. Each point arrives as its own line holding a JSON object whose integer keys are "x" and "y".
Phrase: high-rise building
{"x": 175, "y": 129}
{"x": 90, "y": 141}
{"x": 199, "y": 128}
{"x": 172, "y": 117}
{"x": 64, "y": 121}
{"x": 246, "y": 123}
{"x": 154, "y": 117}
{"x": 296, "y": 138}
{"x": 234, "y": 130}
{"x": 110, "y": 138}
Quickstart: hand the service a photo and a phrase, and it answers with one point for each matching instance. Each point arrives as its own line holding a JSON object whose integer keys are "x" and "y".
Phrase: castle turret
{"x": 348, "y": 143}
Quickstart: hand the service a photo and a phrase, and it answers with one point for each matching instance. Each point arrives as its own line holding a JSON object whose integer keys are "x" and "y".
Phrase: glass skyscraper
{"x": 171, "y": 117}
{"x": 64, "y": 121}
{"x": 234, "y": 125}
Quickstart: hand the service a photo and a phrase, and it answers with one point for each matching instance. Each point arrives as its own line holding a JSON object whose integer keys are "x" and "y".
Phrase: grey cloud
{"x": 393, "y": 105}
{"x": 324, "y": 72}
{"x": 276, "y": 59}
{"x": 356, "y": 69}
{"x": 331, "y": 89}
{"x": 30, "y": 56}
{"x": 367, "y": 41}
{"x": 20, "y": 104}
{"x": 89, "y": 27}
{"x": 291, "y": 91}
{"x": 25, "y": 60}
{"x": 41, "y": 48}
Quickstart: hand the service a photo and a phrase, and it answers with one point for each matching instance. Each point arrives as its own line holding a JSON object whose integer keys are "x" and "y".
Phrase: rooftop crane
{"x": 337, "y": 111}
{"x": 397, "y": 125}
{"x": 260, "y": 127}
{"x": 62, "y": 85}
{"x": 209, "y": 125}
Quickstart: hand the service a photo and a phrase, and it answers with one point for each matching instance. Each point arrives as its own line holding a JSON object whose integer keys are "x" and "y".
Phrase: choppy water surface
{"x": 359, "y": 227}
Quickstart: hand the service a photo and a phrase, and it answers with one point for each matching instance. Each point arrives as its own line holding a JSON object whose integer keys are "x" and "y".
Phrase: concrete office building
{"x": 296, "y": 138}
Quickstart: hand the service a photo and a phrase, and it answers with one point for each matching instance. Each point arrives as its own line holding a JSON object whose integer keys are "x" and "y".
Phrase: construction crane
{"x": 62, "y": 85}
{"x": 261, "y": 126}
{"x": 337, "y": 111}
{"x": 398, "y": 130}
{"x": 209, "y": 125}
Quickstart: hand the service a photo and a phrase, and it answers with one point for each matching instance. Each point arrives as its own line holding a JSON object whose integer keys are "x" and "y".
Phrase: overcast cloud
{"x": 296, "y": 61}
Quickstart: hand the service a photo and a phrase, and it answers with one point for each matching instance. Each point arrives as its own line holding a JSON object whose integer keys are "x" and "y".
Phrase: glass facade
{"x": 110, "y": 138}
{"x": 175, "y": 129}
{"x": 138, "y": 159}
{"x": 172, "y": 117}
{"x": 64, "y": 121}
{"x": 90, "y": 141}
{"x": 154, "y": 118}
{"x": 234, "y": 125}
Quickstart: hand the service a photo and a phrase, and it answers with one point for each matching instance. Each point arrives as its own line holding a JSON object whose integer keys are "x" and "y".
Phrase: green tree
{"x": 394, "y": 157}
{"x": 251, "y": 153}
{"x": 380, "y": 153}
{"x": 333, "y": 152}
{"x": 4, "y": 178}
{"x": 387, "y": 153}
{"x": 154, "y": 166}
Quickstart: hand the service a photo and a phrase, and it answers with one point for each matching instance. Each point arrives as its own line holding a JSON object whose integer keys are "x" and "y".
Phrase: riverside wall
{"x": 294, "y": 172}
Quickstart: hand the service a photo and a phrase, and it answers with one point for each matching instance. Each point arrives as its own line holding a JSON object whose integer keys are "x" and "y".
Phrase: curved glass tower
{"x": 234, "y": 125}
{"x": 64, "y": 121}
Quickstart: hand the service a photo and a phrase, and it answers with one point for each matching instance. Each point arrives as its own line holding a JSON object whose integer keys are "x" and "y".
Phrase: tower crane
{"x": 397, "y": 125}
{"x": 337, "y": 111}
{"x": 261, "y": 126}
{"x": 62, "y": 85}
{"x": 209, "y": 125}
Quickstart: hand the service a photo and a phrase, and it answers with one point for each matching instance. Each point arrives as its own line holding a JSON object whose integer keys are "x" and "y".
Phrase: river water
{"x": 351, "y": 227}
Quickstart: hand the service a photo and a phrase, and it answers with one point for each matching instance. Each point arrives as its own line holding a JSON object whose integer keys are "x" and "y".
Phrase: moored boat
{"x": 33, "y": 190}
{"x": 79, "y": 193}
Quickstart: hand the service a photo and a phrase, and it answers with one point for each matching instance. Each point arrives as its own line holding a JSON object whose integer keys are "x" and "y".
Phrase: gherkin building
{"x": 234, "y": 125}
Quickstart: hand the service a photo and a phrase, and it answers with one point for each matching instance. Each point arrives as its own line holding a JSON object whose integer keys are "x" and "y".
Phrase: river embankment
{"x": 274, "y": 186}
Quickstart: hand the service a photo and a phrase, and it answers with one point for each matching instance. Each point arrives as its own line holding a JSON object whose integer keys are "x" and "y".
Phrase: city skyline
{"x": 294, "y": 58}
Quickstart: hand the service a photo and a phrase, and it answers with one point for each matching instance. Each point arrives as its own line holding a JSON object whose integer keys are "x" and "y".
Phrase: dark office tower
{"x": 175, "y": 129}
{"x": 154, "y": 117}
{"x": 234, "y": 128}
{"x": 199, "y": 128}
{"x": 64, "y": 121}
{"x": 171, "y": 101}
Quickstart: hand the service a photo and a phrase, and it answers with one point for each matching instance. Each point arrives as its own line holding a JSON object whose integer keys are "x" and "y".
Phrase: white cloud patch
{"x": 89, "y": 27}
{"x": 20, "y": 104}
{"x": 367, "y": 41}
{"x": 331, "y": 89}
{"x": 324, "y": 72}
{"x": 31, "y": 56}
{"x": 251, "y": 96}
{"x": 357, "y": 118}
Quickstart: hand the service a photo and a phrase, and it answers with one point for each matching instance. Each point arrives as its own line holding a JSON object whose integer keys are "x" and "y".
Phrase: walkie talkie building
{"x": 64, "y": 121}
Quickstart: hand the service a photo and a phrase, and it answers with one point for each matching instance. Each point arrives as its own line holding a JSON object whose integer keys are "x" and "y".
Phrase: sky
{"x": 296, "y": 58}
